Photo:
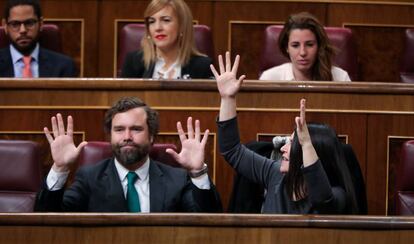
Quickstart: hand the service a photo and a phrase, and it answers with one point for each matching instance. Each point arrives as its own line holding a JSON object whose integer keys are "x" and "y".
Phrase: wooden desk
{"x": 202, "y": 228}
{"x": 374, "y": 117}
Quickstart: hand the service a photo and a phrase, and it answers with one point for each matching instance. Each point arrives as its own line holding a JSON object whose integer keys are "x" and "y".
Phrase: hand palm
{"x": 63, "y": 150}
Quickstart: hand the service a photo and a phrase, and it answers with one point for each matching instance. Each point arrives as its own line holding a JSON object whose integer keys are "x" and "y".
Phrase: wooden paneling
{"x": 367, "y": 113}
{"x": 202, "y": 228}
{"x": 83, "y": 10}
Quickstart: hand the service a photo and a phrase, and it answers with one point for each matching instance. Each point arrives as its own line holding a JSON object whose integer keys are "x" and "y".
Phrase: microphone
{"x": 279, "y": 141}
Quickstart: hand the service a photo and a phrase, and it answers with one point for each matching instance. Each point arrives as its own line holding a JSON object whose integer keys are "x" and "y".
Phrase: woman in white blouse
{"x": 304, "y": 41}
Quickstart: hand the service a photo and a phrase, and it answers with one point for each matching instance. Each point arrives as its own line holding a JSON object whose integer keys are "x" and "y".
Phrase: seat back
{"x": 404, "y": 187}
{"x": 407, "y": 64}
{"x": 96, "y": 151}
{"x": 129, "y": 39}
{"x": 341, "y": 38}
{"x": 20, "y": 175}
{"x": 49, "y": 38}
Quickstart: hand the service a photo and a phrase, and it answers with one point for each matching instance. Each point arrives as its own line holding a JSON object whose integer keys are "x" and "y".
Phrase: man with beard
{"x": 24, "y": 57}
{"x": 106, "y": 186}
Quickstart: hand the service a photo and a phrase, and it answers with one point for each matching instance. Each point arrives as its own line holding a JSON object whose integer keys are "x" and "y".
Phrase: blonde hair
{"x": 186, "y": 41}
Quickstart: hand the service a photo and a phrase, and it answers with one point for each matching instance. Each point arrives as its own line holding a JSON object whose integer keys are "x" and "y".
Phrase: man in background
{"x": 24, "y": 58}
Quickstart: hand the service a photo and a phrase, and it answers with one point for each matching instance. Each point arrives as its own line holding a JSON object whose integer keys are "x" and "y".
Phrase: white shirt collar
{"x": 142, "y": 171}
{"x": 17, "y": 56}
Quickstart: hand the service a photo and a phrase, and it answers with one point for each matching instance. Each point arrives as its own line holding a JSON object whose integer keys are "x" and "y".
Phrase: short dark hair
{"x": 13, "y": 3}
{"x": 128, "y": 103}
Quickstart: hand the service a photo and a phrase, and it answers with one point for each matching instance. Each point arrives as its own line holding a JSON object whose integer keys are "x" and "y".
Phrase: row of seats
{"x": 20, "y": 177}
{"x": 341, "y": 38}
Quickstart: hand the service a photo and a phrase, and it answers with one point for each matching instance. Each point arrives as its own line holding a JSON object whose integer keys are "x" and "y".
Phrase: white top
{"x": 285, "y": 72}
{"x": 172, "y": 72}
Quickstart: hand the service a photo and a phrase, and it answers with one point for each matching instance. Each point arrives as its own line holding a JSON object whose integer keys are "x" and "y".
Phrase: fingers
{"x": 236, "y": 64}
{"x": 173, "y": 154}
{"x": 70, "y": 126}
{"x": 298, "y": 124}
{"x": 240, "y": 81}
{"x": 228, "y": 62}
{"x": 60, "y": 124}
{"x": 190, "y": 130}
{"x": 54, "y": 127}
{"x": 180, "y": 131}
{"x": 81, "y": 145}
{"x": 48, "y": 135}
{"x": 302, "y": 111}
{"x": 216, "y": 75}
{"x": 221, "y": 64}
{"x": 197, "y": 130}
{"x": 205, "y": 137}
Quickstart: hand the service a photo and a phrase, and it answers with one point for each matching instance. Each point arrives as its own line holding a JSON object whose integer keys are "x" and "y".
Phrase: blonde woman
{"x": 168, "y": 47}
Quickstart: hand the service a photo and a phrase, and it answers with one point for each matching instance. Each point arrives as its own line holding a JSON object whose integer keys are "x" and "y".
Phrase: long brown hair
{"x": 185, "y": 31}
{"x": 321, "y": 69}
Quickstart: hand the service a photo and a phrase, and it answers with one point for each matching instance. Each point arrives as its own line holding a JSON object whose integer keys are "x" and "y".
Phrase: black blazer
{"x": 97, "y": 188}
{"x": 197, "y": 68}
{"x": 51, "y": 64}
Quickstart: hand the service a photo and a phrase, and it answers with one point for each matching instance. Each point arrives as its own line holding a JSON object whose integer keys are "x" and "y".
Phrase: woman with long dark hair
{"x": 305, "y": 43}
{"x": 311, "y": 176}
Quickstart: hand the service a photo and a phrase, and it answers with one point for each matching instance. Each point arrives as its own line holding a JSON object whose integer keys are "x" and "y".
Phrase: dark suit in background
{"x": 197, "y": 68}
{"x": 97, "y": 188}
{"x": 51, "y": 64}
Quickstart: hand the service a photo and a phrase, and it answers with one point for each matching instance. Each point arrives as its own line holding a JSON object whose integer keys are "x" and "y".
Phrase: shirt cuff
{"x": 202, "y": 182}
{"x": 56, "y": 180}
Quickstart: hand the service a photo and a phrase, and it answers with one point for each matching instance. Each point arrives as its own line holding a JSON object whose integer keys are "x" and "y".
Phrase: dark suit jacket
{"x": 51, "y": 64}
{"x": 197, "y": 68}
{"x": 97, "y": 188}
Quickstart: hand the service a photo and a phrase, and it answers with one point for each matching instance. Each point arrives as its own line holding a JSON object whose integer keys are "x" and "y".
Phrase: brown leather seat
{"x": 407, "y": 63}
{"x": 20, "y": 175}
{"x": 49, "y": 38}
{"x": 96, "y": 151}
{"x": 341, "y": 38}
{"x": 404, "y": 188}
{"x": 130, "y": 37}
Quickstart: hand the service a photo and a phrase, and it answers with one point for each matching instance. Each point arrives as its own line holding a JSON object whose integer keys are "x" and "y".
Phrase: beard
{"x": 130, "y": 156}
{"x": 26, "y": 49}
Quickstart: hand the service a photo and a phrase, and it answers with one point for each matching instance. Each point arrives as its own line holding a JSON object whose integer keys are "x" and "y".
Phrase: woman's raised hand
{"x": 227, "y": 82}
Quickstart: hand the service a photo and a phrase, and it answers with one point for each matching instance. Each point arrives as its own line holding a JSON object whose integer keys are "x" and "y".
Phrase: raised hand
{"x": 227, "y": 82}
{"x": 191, "y": 156}
{"x": 309, "y": 153}
{"x": 64, "y": 151}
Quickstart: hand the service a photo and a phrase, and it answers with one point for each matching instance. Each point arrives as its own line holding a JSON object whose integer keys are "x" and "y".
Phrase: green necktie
{"x": 132, "y": 194}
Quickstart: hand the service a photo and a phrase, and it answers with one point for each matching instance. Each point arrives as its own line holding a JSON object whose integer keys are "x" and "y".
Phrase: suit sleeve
{"x": 74, "y": 199}
{"x": 199, "y": 200}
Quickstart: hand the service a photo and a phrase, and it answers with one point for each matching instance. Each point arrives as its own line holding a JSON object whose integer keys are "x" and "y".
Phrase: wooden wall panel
{"x": 86, "y": 11}
{"x": 380, "y": 128}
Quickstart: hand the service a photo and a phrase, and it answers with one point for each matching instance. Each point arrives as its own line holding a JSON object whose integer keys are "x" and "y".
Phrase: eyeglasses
{"x": 15, "y": 25}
